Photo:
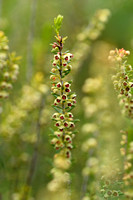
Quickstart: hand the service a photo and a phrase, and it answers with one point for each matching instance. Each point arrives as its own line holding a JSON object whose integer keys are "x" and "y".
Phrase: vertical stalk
{"x": 63, "y": 104}
{"x": 61, "y": 80}
{"x": 30, "y": 40}
{"x": 34, "y": 158}
{"x": 63, "y": 107}
{"x": 85, "y": 179}
{"x": 126, "y": 150}
{"x": 60, "y": 72}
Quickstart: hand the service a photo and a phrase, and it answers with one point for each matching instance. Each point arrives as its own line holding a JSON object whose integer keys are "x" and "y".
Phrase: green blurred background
{"x": 28, "y": 25}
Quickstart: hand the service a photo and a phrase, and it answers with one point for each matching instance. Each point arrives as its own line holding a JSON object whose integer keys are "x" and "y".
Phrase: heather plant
{"x": 86, "y": 38}
{"x": 126, "y": 153}
{"x": 97, "y": 162}
{"x": 65, "y": 101}
{"x": 102, "y": 177}
{"x": 123, "y": 80}
{"x": 25, "y": 153}
{"x": 113, "y": 184}
{"x": 92, "y": 170}
{"x": 123, "y": 83}
{"x": 17, "y": 127}
{"x": 90, "y": 144}
{"x": 59, "y": 180}
{"x": 23, "y": 132}
{"x": 88, "y": 35}
{"x": 9, "y": 67}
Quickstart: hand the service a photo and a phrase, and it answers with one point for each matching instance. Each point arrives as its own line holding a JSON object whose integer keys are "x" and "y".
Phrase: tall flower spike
{"x": 122, "y": 80}
{"x": 64, "y": 99}
{"x": 9, "y": 67}
{"x": 64, "y": 102}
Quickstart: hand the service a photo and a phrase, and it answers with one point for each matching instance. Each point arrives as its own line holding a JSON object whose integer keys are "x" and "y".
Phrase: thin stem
{"x": 60, "y": 71}
{"x": 63, "y": 107}
{"x": 126, "y": 149}
{"x": 16, "y": 179}
{"x": 34, "y": 159}
{"x": 30, "y": 40}
{"x": 86, "y": 178}
{"x": 69, "y": 190}
{"x": 126, "y": 146}
{"x": 61, "y": 80}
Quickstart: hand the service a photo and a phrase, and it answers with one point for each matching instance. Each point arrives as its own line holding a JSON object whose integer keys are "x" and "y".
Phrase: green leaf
{"x": 57, "y": 109}
{"x": 52, "y": 73}
{"x": 55, "y": 95}
{"x": 52, "y": 130}
{"x": 76, "y": 131}
{"x": 48, "y": 160}
{"x": 54, "y": 119}
{"x": 70, "y": 94}
{"x": 106, "y": 195}
{"x": 58, "y": 67}
{"x": 66, "y": 73}
{"x": 131, "y": 91}
{"x": 58, "y": 23}
{"x": 54, "y": 82}
{"x": 76, "y": 120}
{"x": 63, "y": 39}
{"x": 71, "y": 108}
{"x": 55, "y": 50}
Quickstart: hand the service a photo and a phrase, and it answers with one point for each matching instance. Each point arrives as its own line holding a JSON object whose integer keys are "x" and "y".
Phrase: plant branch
{"x": 34, "y": 159}
{"x": 61, "y": 80}
{"x": 86, "y": 178}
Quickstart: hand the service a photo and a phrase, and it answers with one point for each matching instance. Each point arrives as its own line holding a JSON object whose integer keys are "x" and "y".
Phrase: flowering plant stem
{"x": 64, "y": 102}
{"x": 34, "y": 158}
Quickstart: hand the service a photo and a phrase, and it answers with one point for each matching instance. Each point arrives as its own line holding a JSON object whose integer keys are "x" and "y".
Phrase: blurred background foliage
{"x": 26, "y": 114}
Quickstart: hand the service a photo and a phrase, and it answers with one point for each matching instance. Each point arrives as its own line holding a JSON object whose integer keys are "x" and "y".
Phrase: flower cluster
{"x": 64, "y": 101}
{"x": 9, "y": 68}
{"x": 60, "y": 177}
{"x": 110, "y": 186}
{"x": 19, "y": 113}
{"x": 86, "y": 38}
{"x": 127, "y": 153}
{"x": 99, "y": 130}
{"x": 96, "y": 25}
{"x": 27, "y": 118}
{"x": 123, "y": 82}
{"x": 90, "y": 130}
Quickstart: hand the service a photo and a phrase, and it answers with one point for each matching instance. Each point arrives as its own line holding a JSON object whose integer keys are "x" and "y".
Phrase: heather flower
{"x": 122, "y": 80}
{"x": 64, "y": 102}
{"x": 9, "y": 67}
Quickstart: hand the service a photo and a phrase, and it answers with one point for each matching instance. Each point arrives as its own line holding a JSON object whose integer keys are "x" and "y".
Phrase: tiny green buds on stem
{"x": 57, "y": 26}
{"x": 123, "y": 81}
